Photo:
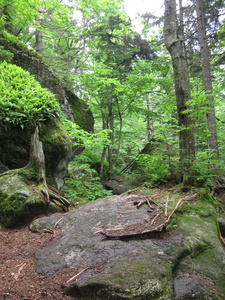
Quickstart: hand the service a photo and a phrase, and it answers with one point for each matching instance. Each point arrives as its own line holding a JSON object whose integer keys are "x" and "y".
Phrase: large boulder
{"x": 15, "y": 141}
{"x": 20, "y": 199}
{"x": 108, "y": 246}
{"x": 15, "y": 149}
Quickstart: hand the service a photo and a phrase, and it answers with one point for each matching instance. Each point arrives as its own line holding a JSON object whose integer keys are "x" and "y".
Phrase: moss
{"x": 15, "y": 209}
{"x": 18, "y": 202}
{"x": 56, "y": 143}
{"x": 28, "y": 174}
{"x": 82, "y": 115}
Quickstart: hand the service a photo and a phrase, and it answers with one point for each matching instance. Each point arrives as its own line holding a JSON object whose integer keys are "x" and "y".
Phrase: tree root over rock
{"x": 37, "y": 163}
{"x": 141, "y": 232}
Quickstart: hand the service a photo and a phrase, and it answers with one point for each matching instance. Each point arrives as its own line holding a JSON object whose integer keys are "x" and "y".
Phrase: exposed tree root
{"x": 153, "y": 232}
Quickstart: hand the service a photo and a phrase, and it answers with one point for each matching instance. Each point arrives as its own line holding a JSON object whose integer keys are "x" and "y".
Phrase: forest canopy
{"x": 137, "y": 86}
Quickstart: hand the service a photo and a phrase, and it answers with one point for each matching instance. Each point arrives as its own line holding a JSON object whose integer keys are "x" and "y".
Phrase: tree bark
{"x": 37, "y": 158}
{"x": 37, "y": 163}
{"x": 150, "y": 128}
{"x": 111, "y": 135}
{"x": 174, "y": 41}
{"x": 207, "y": 79}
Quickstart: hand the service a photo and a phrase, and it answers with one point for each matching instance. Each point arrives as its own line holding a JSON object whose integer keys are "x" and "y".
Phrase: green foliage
{"x": 202, "y": 172}
{"x": 152, "y": 169}
{"x": 83, "y": 138}
{"x": 83, "y": 185}
{"x": 22, "y": 99}
{"x": 5, "y": 55}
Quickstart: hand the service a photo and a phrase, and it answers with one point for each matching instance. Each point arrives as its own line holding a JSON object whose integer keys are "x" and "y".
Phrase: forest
{"x": 157, "y": 95}
{"x": 130, "y": 113}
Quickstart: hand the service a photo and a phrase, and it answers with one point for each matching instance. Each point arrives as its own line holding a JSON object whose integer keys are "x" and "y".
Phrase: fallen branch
{"x": 151, "y": 207}
{"x": 153, "y": 220}
{"x": 58, "y": 222}
{"x": 166, "y": 206}
{"x": 78, "y": 274}
{"x": 17, "y": 274}
{"x": 109, "y": 229}
{"x": 146, "y": 233}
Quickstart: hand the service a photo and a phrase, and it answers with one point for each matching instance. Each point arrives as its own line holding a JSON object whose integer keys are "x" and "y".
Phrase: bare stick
{"x": 78, "y": 274}
{"x": 166, "y": 206}
{"x": 153, "y": 220}
{"x": 109, "y": 229}
{"x": 151, "y": 207}
{"x": 16, "y": 276}
{"x": 58, "y": 222}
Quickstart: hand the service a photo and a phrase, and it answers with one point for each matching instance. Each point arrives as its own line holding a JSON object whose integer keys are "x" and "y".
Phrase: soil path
{"x": 18, "y": 278}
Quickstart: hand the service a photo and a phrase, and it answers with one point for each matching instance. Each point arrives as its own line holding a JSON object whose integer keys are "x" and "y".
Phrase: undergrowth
{"x": 83, "y": 184}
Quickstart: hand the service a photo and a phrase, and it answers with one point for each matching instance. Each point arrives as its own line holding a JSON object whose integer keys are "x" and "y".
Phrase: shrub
{"x": 22, "y": 99}
{"x": 150, "y": 168}
{"x": 83, "y": 184}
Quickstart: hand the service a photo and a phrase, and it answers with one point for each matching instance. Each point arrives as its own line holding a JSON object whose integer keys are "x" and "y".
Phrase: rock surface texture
{"x": 104, "y": 243}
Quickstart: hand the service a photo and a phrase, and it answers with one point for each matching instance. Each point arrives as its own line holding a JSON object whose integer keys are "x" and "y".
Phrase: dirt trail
{"x": 18, "y": 278}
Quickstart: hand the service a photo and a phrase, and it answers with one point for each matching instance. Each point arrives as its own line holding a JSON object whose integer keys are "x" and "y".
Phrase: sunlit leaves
{"x": 22, "y": 99}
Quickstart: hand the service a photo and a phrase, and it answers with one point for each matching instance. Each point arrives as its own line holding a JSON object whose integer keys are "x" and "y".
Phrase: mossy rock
{"x": 74, "y": 108}
{"x": 82, "y": 114}
{"x": 20, "y": 201}
{"x": 57, "y": 145}
{"x": 188, "y": 263}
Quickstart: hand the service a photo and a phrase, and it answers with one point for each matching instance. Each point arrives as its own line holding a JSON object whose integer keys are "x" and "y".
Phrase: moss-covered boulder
{"x": 15, "y": 140}
{"x": 186, "y": 263}
{"x": 15, "y": 148}
{"x": 74, "y": 108}
{"x": 20, "y": 199}
{"x": 57, "y": 147}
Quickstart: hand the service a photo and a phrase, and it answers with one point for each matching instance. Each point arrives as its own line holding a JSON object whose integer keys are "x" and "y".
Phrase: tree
{"x": 174, "y": 41}
{"x": 207, "y": 80}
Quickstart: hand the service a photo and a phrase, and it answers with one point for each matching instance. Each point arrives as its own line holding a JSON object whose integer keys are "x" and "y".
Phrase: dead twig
{"x": 78, "y": 274}
{"x": 153, "y": 220}
{"x": 148, "y": 202}
{"x": 48, "y": 231}
{"x": 166, "y": 206}
{"x": 58, "y": 222}
{"x": 17, "y": 274}
{"x": 147, "y": 233}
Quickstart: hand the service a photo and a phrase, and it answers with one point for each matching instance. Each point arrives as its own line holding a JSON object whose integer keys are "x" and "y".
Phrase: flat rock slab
{"x": 139, "y": 267}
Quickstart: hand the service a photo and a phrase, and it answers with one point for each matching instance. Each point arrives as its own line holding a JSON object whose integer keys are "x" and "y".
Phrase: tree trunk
{"x": 150, "y": 129}
{"x": 104, "y": 152}
{"x": 37, "y": 163}
{"x": 37, "y": 158}
{"x": 38, "y": 41}
{"x": 119, "y": 141}
{"x": 207, "y": 79}
{"x": 111, "y": 135}
{"x": 173, "y": 36}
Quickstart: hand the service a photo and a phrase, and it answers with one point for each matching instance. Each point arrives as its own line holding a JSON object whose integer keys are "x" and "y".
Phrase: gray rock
{"x": 187, "y": 265}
